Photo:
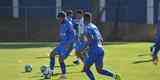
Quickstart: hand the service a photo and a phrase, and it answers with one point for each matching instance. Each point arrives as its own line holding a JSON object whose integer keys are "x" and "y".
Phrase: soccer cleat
{"x": 117, "y": 77}
{"x": 155, "y": 59}
{"x": 48, "y": 74}
{"x": 76, "y": 62}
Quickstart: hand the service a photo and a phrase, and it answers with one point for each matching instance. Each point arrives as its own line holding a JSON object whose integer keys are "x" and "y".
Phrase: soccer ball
{"x": 43, "y": 68}
{"x": 28, "y": 68}
{"x": 47, "y": 74}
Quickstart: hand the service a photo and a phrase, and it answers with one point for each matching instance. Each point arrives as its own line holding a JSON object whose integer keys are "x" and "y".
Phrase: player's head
{"x": 69, "y": 13}
{"x": 87, "y": 17}
{"x": 61, "y": 16}
{"x": 79, "y": 14}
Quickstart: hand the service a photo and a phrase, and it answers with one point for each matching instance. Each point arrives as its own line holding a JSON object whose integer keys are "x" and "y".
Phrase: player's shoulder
{"x": 92, "y": 26}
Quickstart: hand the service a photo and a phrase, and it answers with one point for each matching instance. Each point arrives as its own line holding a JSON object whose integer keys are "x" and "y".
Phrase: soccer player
{"x": 156, "y": 47}
{"x": 79, "y": 27}
{"x": 95, "y": 53}
{"x": 67, "y": 35}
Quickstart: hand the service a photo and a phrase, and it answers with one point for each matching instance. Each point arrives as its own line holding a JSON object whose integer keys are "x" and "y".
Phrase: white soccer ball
{"x": 43, "y": 68}
{"x": 28, "y": 68}
{"x": 47, "y": 74}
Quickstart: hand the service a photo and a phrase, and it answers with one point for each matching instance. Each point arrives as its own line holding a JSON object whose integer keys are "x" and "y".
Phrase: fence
{"x": 39, "y": 24}
{"x": 33, "y": 24}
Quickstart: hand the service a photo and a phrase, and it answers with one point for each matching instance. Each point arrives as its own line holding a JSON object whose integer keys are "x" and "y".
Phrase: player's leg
{"x": 52, "y": 61}
{"x": 155, "y": 53}
{"x": 77, "y": 61}
{"x": 77, "y": 52}
{"x": 80, "y": 56}
{"x": 89, "y": 61}
{"x": 88, "y": 71}
{"x": 64, "y": 54}
{"x": 57, "y": 51}
{"x": 63, "y": 66}
{"x": 99, "y": 65}
{"x": 80, "y": 46}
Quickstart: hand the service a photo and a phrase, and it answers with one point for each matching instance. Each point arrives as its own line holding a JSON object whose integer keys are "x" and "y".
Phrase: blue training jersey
{"x": 79, "y": 26}
{"x": 67, "y": 33}
{"x": 93, "y": 35}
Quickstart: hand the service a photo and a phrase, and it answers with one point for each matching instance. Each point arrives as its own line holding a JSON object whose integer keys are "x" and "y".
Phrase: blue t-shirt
{"x": 78, "y": 26}
{"x": 94, "y": 37}
{"x": 67, "y": 33}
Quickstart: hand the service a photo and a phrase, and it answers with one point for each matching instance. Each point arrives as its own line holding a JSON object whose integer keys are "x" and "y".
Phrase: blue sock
{"x": 89, "y": 74}
{"x": 106, "y": 73}
{"x": 52, "y": 63}
{"x": 63, "y": 67}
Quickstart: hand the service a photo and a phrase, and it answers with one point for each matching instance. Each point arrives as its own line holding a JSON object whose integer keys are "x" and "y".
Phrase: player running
{"x": 67, "y": 35}
{"x": 95, "y": 53}
{"x": 78, "y": 27}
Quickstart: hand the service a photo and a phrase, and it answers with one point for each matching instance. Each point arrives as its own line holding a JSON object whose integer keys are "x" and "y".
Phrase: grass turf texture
{"x": 131, "y": 60}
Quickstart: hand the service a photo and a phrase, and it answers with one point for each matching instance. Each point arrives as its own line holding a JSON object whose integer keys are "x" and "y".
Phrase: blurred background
{"x": 118, "y": 20}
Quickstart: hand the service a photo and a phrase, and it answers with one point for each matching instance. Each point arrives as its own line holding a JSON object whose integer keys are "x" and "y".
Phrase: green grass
{"x": 131, "y": 60}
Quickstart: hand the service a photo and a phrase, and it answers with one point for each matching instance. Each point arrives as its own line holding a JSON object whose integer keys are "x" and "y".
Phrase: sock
{"x": 52, "y": 63}
{"x": 106, "y": 73}
{"x": 89, "y": 74}
{"x": 63, "y": 67}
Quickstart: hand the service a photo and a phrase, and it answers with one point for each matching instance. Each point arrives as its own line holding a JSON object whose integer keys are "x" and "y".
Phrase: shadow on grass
{"x": 45, "y": 57}
{"x": 142, "y": 61}
{"x": 141, "y": 55}
{"x": 71, "y": 65}
{"x": 35, "y": 76}
{"x": 25, "y": 45}
{"x": 26, "y": 72}
{"x": 47, "y": 79}
{"x": 55, "y": 75}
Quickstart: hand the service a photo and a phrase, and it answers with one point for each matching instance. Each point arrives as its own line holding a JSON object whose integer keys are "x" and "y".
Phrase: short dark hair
{"x": 61, "y": 14}
{"x": 88, "y": 16}
{"x": 79, "y": 11}
{"x": 69, "y": 12}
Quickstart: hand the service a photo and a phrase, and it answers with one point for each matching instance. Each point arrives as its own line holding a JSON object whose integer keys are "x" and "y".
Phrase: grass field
{"x": 131, "y": 60}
